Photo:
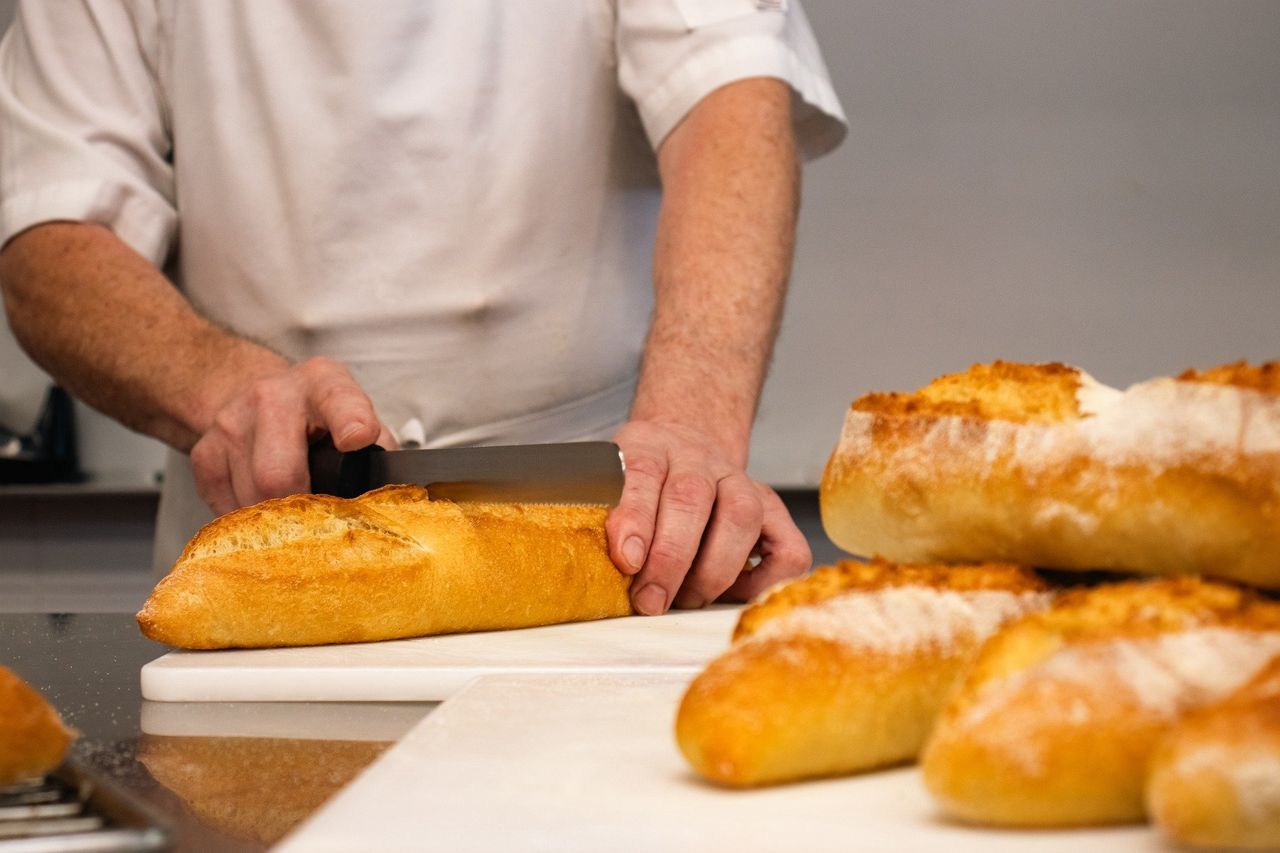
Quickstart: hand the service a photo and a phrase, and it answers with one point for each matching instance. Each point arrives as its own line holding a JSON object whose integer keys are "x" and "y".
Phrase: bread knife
{"x": 582, "y": 472}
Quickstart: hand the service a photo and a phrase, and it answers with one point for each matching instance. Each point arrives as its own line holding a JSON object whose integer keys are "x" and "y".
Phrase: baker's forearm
{"x": 725, "y": 240}
{"x": 113, "y": 330}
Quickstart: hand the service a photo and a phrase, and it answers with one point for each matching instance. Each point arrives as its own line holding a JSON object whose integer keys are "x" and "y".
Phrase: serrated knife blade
{"x": 582, "y": 472}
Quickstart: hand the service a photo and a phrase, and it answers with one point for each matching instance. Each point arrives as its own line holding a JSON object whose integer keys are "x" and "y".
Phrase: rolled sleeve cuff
{"x": 818, "y": 119}
{"x": 145, "y": 224}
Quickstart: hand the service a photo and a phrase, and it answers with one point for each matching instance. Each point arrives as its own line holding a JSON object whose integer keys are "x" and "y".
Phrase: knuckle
{"x": 796, "y": 559}
{"x": 333, "y": 394}
{"x": 741, "y": 509}
{"x": 204, "y": 459}
{"x": 228, "y": 423}
{"x": 261, "y": 392}
{"x": 275, "y": 481}
{"x": 317, "y": 364}
{"x": 670, "y": 557}
{"x": 690, "y": 491}
{"x": 643, "y": 467}
{"x": 626, "y": 518}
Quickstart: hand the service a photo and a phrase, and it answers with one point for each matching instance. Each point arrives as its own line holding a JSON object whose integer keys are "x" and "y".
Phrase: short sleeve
{"x": 672, "y": 53}
{"x": 83, "y": 134}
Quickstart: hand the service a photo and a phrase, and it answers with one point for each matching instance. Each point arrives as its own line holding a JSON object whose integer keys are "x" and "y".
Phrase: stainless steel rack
{"x": 72, "y": 811}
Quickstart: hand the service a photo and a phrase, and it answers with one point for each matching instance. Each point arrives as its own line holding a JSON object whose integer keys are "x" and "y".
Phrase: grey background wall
{"x": 1092, "y": 181}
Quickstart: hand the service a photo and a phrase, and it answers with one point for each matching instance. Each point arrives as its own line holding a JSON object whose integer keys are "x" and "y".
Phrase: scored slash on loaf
{"x": 1044, "y": 466}
{"x": 312, "y": 569}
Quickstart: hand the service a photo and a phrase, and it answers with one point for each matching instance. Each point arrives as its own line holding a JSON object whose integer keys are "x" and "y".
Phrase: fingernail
{"x": 633, "y": 550}
{"x": 650, "y": 600}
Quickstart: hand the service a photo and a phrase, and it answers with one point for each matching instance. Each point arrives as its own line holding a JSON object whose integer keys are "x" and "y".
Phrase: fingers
{"x": 256, "y": 447}
{"x": 213, "y": 477}
{"x": 784, "y": 551}
{"x": 689, "y": 520}
{"x": 630, "y": 525}
{"x": 684, "y": 508}
{"x": 338, "y": 405}
{"x": 727, "y": 543}
{"x": 278, "y": 464}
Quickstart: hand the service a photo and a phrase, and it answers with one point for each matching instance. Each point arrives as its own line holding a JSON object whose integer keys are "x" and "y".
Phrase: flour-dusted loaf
{"x": 1056, "y": 719}
{"x": 1042, "y": 465}
{"x": 843, "y": 670}
{"x": 32, "y": 736}
{"x": 1215, "y": 780}
{"x": 313, "y": 569}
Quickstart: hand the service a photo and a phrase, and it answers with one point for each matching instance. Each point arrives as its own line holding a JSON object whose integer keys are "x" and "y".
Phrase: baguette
{"x": 1042, "y": 465}
{"x": 1215, "y": 780}
{"x": 1057, "y": 718}
{"x": 33, "y": 739}
{"x": 312, "y": 569}
{"x": 843, "y": 670}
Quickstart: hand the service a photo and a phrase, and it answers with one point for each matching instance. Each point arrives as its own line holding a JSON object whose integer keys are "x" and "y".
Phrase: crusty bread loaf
{"x": 1056, "y": 719}
{"x": 843, "y": 670}
{"x": 1215, "y": 780}
{"x": 254, "y": 788}
{"x": 1042, "y": 465}
{"x": 312, "y": 569}
{"x": 32, "y": 736}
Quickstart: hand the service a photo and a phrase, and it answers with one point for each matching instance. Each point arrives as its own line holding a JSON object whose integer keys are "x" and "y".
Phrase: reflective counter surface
{"x": 221, "y": 776}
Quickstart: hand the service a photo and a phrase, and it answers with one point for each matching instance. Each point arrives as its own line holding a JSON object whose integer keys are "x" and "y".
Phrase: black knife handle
{"x": 343, "y": 475}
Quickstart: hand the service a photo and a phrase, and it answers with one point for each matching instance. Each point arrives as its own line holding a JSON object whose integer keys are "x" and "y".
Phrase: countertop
{"x": 216, "y": 793}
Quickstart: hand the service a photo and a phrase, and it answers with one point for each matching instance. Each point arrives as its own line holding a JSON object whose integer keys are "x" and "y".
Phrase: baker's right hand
{"x": 256, "y": 444}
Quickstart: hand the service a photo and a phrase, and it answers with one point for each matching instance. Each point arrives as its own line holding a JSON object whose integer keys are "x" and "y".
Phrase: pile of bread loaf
{"x": 1026, "y": 703}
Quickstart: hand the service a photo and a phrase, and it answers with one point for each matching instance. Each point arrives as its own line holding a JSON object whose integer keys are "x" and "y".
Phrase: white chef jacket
{"x": 455, "y": 199}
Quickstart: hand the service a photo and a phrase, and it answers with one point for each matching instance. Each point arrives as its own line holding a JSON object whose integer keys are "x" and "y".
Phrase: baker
{"x": 237, "y": 226}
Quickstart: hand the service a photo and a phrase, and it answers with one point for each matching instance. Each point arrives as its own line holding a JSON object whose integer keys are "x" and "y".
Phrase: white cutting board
{"x": 429, "y": 669}
{"x": 371, "y": 721}
{"x": 589, "y": 763}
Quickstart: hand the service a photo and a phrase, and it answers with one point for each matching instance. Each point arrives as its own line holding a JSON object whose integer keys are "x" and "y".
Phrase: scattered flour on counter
{"x": 899, "y": 620}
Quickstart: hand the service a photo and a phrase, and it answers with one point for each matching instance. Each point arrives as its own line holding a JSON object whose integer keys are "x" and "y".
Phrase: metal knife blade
{"x": 588, "y": 472}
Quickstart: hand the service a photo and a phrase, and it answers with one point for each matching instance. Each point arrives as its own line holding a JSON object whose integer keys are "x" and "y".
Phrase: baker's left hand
{"x": 690, "y": 518}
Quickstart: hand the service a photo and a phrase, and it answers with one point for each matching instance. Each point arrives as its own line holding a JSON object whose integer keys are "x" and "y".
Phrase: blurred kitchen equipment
{"x": 49, "y": 453}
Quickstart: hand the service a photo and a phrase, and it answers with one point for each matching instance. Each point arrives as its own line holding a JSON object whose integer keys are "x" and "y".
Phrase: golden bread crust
{"x": 33, "y": 739}
{"x": 313, "y": 569}
{"x": 1263, "y": 377}
{"x": 1215, "y": 779}
{"x": 1002, "y": 390}
{"x": 1167, "y": 477}
{"x": 1055, "y": 721}
{"x": 843, "y": 670}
